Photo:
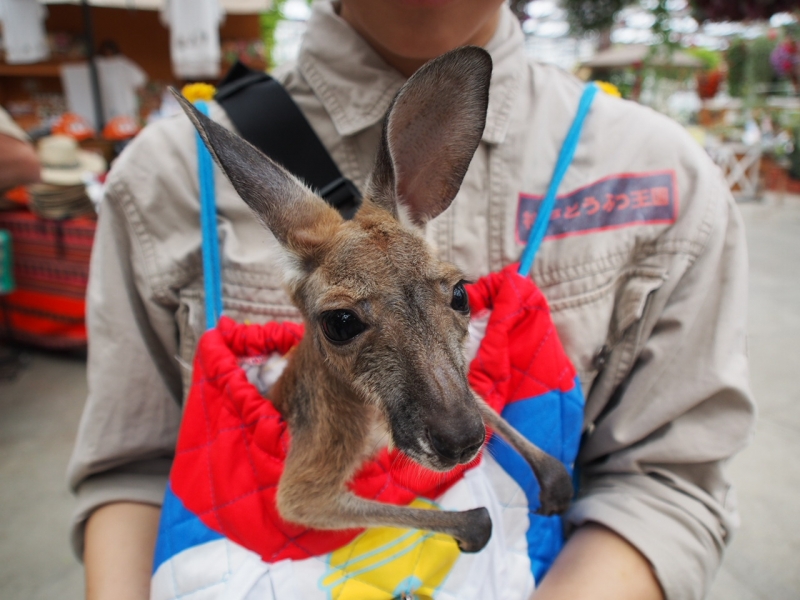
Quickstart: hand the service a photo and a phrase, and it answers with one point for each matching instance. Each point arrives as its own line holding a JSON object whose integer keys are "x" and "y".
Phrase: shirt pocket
{"x": 595, "y": 323}
{"x": 248, "y": 296}
{"x": 190, "y": 318}
{"x": 257, "y": 295}
{"x": 631, "y": 299}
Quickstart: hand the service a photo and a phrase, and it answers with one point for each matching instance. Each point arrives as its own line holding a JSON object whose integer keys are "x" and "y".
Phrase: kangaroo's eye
{"x": 341, "y": 326}
{"x": 460, "y": 301}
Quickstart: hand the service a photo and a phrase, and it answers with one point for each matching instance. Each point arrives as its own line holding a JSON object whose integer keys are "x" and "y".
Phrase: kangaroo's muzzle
{"x": 455, "y": 439}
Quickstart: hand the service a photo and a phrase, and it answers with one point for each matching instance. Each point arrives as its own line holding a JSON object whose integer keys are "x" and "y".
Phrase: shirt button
{"x": 600, "y": 359}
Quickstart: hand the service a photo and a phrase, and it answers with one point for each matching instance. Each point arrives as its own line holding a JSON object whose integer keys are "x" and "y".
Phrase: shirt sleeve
{"x": 680, "y": 407}
{"x": 129, "y": 426}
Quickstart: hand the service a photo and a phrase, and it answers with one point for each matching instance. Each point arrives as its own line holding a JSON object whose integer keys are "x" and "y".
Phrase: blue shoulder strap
{"x": 212, "y": 272}
{"x": 564, "y": 160}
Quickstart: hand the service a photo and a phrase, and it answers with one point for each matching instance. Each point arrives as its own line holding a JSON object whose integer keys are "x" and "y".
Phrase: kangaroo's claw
{"x": 556, "y": 488}
{"x": 477, "y": 531}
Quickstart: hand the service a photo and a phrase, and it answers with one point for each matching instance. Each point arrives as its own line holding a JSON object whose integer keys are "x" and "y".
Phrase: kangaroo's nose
{"x": 460, "y": 443}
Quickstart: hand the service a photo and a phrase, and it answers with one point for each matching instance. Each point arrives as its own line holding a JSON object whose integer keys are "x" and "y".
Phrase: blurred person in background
{"x": 19, "y": 164}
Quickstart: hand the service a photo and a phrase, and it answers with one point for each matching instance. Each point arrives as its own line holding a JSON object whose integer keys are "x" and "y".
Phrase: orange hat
{"x": 73, "y": 126}
{"x": 120, "y": 128}
{"x": 18, "y": 195}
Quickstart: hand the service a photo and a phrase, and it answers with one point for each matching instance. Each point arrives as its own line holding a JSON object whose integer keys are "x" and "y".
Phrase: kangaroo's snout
{"x": 450, "y": 427}
{"x": 461, "y": 447}
{"x": 457, "y": 439}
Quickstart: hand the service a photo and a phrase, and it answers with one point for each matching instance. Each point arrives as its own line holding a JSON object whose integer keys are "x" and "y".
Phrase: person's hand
{"x": 597, "y": 564}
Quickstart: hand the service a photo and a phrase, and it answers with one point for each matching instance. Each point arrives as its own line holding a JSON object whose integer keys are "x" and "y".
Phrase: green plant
{"x": 662, "y": 27}
{"x": 749, "y": 67}
{"x": 592, "y": 15}
{"x": 269, "y": 23}
{"x": 711, "y": 59}
{"x": 759, "y": 67}
{"x": 624, "y": 80}
{"x": 736, "y": 58}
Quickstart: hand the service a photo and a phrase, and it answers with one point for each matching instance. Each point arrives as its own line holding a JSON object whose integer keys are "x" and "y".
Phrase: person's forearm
{"x": 120, "y": 540}
{"x": 597, "y": 564}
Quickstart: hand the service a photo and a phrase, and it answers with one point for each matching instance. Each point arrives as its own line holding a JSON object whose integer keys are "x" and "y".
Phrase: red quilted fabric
{"x": 233, "y": 442}
{"x": 521, "y": 355}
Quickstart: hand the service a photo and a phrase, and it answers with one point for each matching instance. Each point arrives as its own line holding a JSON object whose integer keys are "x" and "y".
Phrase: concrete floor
{"x": 39, "y": 413}
{"x": 764, "y": 557}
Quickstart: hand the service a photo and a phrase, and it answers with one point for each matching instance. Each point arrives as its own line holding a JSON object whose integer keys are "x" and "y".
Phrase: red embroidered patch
{"x": 616, "y": 201}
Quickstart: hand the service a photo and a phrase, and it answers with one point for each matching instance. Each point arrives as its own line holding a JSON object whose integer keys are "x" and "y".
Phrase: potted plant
{"x": 710, "y": 76}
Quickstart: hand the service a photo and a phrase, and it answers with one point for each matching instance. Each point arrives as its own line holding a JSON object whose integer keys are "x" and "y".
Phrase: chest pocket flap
{"x": 632, "y": 298}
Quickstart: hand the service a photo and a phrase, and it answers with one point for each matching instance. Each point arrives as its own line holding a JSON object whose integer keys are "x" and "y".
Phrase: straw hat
{"x": 63, "y": 163}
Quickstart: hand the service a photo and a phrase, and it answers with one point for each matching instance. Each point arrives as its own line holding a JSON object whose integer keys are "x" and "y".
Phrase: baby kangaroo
{"x": 386, "y": 321}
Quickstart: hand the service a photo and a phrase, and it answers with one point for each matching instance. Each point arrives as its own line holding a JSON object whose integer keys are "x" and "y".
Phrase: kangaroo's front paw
{"x": 476, "y": 531}
{"x": 556, "y": 491}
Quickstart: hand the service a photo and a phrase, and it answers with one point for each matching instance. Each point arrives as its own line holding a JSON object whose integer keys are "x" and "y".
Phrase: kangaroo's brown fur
{"x": 403, "y": 371}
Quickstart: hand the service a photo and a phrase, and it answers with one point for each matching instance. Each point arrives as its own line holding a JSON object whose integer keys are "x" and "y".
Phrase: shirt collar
{"x": 356, "y": 86}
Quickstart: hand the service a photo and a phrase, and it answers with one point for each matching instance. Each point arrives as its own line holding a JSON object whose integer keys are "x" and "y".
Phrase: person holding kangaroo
{"x": 644, "y": 269}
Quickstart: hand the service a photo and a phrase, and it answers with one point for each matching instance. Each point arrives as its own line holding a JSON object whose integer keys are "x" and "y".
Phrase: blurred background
{"x": 79, "y": 79}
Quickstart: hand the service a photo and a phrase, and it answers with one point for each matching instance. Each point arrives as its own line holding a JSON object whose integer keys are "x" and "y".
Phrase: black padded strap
{"x": 267, "y": 117}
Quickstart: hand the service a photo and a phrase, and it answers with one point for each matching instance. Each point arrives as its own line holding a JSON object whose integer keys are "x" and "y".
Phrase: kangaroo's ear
{"x": 430, "y": 134}
{"x": 298, "y": 218}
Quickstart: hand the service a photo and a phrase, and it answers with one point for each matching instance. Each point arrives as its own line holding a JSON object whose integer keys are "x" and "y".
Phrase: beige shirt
{"x": 645, "y": 270}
